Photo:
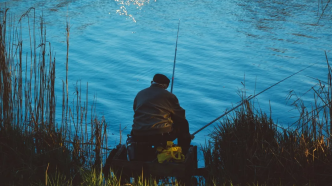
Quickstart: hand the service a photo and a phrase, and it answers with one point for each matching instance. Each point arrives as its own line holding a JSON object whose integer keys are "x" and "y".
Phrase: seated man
{"x": 159, "y": 117}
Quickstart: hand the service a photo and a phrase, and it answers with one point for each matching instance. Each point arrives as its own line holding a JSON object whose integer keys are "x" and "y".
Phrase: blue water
{"x": 118, "y": 45}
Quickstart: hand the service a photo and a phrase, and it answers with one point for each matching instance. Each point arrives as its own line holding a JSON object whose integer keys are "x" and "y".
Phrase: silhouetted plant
{"x": 248, "y": 147}
{"x": 31, "y": 142}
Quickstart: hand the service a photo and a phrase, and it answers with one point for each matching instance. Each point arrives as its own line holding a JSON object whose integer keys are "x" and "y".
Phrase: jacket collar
{"x": 157, "y": 85}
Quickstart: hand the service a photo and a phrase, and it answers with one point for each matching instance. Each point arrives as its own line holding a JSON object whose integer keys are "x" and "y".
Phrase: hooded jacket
{"x": 155, "y": 109}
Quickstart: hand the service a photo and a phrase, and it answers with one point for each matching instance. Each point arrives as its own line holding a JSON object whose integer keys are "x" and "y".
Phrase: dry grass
{"x": 248, "y": 148}
{"x": 31, "y": 142}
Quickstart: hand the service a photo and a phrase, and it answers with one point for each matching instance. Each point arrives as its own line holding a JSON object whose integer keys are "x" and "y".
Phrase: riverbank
{"x": 247, "y": 147}
{"x": 32, "y": 144}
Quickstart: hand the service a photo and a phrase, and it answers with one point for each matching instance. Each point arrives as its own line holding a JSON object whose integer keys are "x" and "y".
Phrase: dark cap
{"x": 161, "y": 79}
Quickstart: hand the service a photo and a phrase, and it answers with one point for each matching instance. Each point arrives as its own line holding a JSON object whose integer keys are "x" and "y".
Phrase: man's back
{"x": 154, "y": 108}
{"x": 158, "y": 118}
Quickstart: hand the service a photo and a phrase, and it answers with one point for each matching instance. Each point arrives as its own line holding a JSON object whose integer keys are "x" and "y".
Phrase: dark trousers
{"x": 180, "y": 131}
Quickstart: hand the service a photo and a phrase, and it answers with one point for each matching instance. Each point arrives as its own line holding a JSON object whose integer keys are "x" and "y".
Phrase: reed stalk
{"x": 249, "y": 148}
{"x": 30, "y": 139}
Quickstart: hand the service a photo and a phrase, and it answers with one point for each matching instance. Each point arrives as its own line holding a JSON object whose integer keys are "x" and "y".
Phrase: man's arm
{"x": 176, "y": 109}
{"x": 182, "y": 125}
{"x": 179, "y": 115}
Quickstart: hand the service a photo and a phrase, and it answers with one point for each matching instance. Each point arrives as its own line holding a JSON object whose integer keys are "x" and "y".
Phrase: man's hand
{"x": 192, "y": 137}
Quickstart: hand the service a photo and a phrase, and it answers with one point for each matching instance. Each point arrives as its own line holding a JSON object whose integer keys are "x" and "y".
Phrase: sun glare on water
{"x": 126, "y": 4}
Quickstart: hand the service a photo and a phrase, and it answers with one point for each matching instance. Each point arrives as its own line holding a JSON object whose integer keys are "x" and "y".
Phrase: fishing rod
{"x": 176, "y": 48}
{"x": 248, "y": 99}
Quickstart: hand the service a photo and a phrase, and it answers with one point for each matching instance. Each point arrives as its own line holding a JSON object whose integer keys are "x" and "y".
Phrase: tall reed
{"x": 249, "y": 148}
{"x": 31, "y": 141}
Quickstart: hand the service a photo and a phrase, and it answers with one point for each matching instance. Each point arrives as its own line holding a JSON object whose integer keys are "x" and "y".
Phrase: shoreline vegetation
{"x": 32, "y": 144}
{"x": 246, "y": 147}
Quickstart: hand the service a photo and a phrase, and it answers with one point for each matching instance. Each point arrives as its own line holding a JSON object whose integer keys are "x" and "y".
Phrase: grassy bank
{"x": 32, "y": 144}
{"x": 247, "y": 147}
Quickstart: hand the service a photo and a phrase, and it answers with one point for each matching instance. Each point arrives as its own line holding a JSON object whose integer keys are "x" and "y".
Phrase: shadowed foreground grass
{"x": 247, "y": 148}
{"x": 32, "y": 144}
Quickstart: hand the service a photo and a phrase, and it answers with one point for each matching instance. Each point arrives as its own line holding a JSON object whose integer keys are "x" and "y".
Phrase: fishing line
{"x": 249, "y": 98}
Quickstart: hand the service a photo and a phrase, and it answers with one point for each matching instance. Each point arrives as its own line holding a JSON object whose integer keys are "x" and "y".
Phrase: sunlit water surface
{"x": 118, "y": 45}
